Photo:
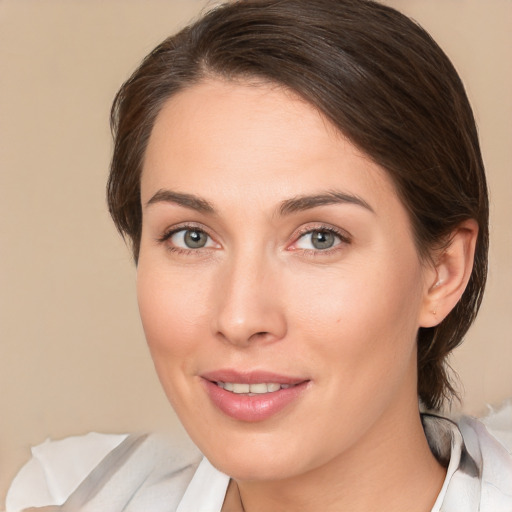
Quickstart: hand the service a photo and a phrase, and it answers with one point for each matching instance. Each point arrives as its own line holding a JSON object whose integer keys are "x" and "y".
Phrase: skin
{"x": 260, "y": 296}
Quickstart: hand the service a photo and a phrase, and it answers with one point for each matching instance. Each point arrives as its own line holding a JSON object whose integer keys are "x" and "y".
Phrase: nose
{"x": 249, "y": 305}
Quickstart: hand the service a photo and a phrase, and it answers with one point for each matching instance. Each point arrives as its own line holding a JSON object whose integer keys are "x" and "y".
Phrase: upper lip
{"x": 250, "y": 377}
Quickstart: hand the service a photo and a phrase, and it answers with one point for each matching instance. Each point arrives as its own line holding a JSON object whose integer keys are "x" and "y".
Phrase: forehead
{"x": 218, "y": 136}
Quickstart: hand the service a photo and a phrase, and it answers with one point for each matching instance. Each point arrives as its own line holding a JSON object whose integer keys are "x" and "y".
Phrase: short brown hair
{"x": 378, "y": 77}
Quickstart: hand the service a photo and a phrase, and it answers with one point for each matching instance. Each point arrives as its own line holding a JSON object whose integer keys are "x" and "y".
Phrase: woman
{"x": 302, "y": 186}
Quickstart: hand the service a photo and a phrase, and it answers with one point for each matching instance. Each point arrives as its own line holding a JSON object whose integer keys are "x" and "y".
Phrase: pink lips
{"x": 257, "y": 407}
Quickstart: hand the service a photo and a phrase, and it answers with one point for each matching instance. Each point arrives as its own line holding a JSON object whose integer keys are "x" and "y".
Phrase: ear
{"x": 447, "y": 279}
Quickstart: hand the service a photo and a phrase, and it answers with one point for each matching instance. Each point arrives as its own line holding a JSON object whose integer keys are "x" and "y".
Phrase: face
{"x": 278, "y": 282}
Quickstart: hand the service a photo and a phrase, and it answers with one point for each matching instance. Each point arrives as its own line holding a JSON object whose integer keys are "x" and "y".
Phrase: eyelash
{"x": 176, "y": 229}
{"x": 343, "y": 237}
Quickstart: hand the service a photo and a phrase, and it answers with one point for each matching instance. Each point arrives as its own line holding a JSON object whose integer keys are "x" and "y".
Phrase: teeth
{"x": 259, "y": 388}
{"x": 255, "y": 389}
{"x": 241, "y": 388}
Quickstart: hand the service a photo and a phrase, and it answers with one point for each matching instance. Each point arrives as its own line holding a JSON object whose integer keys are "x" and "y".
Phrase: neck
{"x": 390, "y": 469}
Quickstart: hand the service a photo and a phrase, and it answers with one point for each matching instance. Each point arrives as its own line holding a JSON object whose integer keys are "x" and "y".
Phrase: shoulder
{"x": 493, "y": 457}
{"x": 144, "y": 470}
{"x": 57, "y": 467}
{"x": 479, "y": 466}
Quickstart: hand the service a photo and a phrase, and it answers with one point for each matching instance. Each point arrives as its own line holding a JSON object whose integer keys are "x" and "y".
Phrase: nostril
{"x": 260, "y": 334}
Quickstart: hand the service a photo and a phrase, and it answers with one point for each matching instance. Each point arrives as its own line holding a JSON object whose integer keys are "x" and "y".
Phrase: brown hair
{"x": 379, "y": 78}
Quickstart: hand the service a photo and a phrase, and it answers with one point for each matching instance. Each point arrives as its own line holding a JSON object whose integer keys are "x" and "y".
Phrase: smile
{"x": 255, "y": 395}
{"x": 259, "y": 388}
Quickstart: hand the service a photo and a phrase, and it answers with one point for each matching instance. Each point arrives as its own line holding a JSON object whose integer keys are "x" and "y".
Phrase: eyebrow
{"x": 186, "y": 200}
{"x": 307, "y": 202}
{"x": 287, "y": 207}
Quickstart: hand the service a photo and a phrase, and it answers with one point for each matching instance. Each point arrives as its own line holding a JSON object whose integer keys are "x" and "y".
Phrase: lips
{"x": 258, "y": 388}
{"x": 252, "y": 396}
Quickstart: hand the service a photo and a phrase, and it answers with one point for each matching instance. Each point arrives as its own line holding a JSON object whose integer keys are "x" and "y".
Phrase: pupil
{"x": 322, "y": 239}
{"x": 195, "y": 239}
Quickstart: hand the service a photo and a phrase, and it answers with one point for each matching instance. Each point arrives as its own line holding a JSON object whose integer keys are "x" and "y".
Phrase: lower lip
{"x": 253, "y": 408}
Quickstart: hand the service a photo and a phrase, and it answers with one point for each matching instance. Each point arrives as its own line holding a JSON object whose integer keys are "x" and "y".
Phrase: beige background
{"x": 72, "y": 353}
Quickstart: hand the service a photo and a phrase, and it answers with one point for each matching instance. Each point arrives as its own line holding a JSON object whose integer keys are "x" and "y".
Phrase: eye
{"x": 319, "y": 240}
{"x": 190, "y": 238}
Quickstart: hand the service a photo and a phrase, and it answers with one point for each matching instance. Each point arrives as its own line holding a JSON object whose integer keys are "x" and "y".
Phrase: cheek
{"x": 357, "y": 298}
{"x": 172, "y": 310}
{"x": 173, "y": 317}
{"x": 364, "y": 319}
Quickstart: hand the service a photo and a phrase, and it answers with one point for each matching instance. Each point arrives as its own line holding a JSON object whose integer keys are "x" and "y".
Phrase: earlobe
{"x": 451, "y": 272}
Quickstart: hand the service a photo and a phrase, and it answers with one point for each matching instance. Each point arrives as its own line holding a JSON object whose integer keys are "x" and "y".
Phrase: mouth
{"x": 253, "y": 396}
{"x": 258, "y": 388}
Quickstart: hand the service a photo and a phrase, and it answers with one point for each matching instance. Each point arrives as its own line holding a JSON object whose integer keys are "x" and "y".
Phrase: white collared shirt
{"x": 152, "y": 474}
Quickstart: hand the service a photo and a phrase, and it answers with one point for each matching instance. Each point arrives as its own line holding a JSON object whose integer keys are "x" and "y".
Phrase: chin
{"x": 248, "y": 467}
{"x": 257, "y": 457}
